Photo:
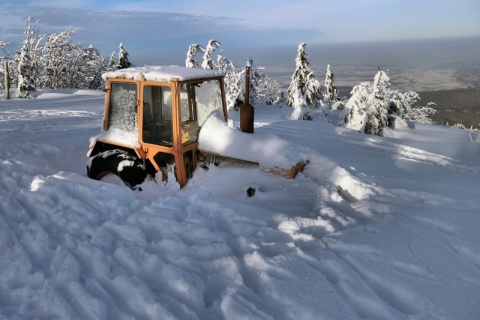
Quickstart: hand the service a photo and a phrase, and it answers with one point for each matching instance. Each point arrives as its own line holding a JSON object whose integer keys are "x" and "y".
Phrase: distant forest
{"x": 457, "y": 106}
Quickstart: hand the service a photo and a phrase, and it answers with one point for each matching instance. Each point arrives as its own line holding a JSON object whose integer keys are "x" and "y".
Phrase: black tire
{"x": 119, "y": 162}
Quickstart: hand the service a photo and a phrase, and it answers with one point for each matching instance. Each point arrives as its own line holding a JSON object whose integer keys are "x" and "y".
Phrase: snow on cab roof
{"x": 162, "y": 73}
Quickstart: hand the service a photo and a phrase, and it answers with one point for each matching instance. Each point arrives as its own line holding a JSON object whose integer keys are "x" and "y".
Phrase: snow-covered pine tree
{"x": 193, "y": 49}
{"x": 300, "y": 111}
{"x": 377, "y": 113}
{"x": 304, "y": 88}
{"x": 111, "y": 62}
{"x": 330, "y": 92}
{"x": 397, "y": 104}
{"x": 374, "y": 107}
{"x": 353, "y": 114}
{"x": 123, "y": 61}
{"x": 312, "y": 92}
{"x": 207, "y": 57}
{"x": 26, "y": 84}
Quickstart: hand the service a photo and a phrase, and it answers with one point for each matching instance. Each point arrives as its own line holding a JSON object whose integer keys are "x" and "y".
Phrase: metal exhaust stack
{"x": 246, "y": 110}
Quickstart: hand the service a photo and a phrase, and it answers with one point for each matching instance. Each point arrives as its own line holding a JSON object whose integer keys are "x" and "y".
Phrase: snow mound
{"x": 266, "y": 149}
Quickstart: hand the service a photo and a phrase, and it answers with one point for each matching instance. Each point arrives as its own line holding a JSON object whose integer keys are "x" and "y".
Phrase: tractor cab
{"x": 152, "y": 121}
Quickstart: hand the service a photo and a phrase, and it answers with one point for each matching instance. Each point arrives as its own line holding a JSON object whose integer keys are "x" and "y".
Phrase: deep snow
{"x": 399, "y": 240}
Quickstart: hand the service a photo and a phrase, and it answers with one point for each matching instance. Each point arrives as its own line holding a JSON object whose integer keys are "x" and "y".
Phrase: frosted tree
{"x": 3, "y": 59}
{"x": 376, "y": 118}
{"x": 123, "y": 61}
{"x": 68, "y": 65}
{"x": 86, "y": 68}
{"x": 304, "y": 88}
{"x": 262, "y": 87}
{"x": 401, "y": 107}
{"x": 373, "y": 107}
{"x": 207, "y": 57}
{"x": 193, "y": 49}
{"x": 4, "y": 53}
{"x": 111, "y": 62}
{"x": 355, "y": 109}
{"x": 26, "y": 84}
{"x": 421, "y": 114}
{"x": 257, "y": 76}
{"x": 27, "y": 60}
{"x": 95, "y": 64}
{"x": 267, "y": 89}
{"x": 233, "y": 82}
{"x": 57, "y": 56}
{"x": 312, "y": 92}
{"x": 330, "y": 92}
{"x": 3, "y": 44}
{"x": 300, "y": 111}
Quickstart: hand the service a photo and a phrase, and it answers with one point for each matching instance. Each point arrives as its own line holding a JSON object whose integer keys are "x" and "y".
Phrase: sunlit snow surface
{"x": 399, "y": 240}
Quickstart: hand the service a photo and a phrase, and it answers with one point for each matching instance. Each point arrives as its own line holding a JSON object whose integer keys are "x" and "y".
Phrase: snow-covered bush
{"x": 267, "y": 89}
{"x": 373, "y": 107}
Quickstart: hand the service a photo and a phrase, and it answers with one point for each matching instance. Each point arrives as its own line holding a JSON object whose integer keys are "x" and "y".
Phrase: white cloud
{"x": 170, "y": 26}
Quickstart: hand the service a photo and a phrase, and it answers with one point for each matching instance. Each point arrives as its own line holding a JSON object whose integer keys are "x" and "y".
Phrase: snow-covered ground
{"x": 399, "y": 240}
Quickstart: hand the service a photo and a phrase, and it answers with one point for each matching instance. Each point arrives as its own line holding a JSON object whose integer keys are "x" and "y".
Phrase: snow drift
{"x": 375, "y": 227}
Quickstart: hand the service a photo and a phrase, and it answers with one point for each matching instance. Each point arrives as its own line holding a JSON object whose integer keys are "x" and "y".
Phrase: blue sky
{"x": 162, "y": 29}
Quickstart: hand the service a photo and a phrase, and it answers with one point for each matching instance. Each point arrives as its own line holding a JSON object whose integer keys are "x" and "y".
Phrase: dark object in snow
{"x": 251, "y": 191}
{"x": 119, "y": 162}
{"x": 247, "y": 110}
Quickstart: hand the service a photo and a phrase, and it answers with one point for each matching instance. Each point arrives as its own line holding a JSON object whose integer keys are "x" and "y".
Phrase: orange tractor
{"x": 153, "y": 117}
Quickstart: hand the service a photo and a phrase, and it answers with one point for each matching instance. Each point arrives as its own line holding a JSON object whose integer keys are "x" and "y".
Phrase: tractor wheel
{"x": 120, "y": 163}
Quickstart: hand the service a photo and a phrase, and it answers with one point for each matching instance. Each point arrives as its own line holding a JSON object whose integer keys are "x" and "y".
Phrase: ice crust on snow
{"x": 162, "y": 73}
